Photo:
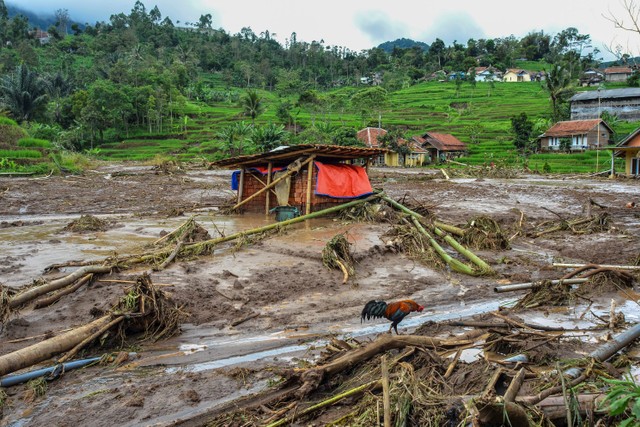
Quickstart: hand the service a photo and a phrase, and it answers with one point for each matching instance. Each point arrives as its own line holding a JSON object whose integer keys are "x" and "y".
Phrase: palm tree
{"x": 559, "y": 85}
{"x": 58, "y": 86}
{"x": 23, "y": 93}
{"x": 252, "y": 105}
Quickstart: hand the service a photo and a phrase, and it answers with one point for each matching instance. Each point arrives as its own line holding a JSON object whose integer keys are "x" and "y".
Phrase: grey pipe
{"x": 610, "y": 348}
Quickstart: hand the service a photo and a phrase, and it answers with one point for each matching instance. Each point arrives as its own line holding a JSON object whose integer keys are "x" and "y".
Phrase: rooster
{"x": 395, "y": 311}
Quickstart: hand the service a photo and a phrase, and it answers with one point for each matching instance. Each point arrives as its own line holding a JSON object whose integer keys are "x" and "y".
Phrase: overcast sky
{"x": 362, "y": 24}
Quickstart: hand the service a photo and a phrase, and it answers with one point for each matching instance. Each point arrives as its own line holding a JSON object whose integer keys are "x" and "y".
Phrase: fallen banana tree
{"x": 143, "y": 310}
{"x": 481, "y": 267}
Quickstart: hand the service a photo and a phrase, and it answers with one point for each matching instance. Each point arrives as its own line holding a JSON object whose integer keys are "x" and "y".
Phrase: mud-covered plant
{"x": 129, "y": 302}
{"x": 623, "y": 399}
{"x": 5, "y": 310}
{"x": 3, "y": 399}
{"x": 337, "y": 255}
{"x": 36, "y": 388}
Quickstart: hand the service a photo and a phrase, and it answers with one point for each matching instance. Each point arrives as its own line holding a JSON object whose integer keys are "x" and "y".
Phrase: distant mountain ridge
{"x": 42, "y": 21}
{"x": 402, "y": 43}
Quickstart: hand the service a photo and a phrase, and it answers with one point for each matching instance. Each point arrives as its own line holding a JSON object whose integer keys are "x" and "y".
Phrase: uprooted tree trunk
{"x": 143, "y": 309}
{"x": 46, "y": 349}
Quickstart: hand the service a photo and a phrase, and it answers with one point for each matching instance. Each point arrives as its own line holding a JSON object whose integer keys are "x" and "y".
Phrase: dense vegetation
{"x": 140, "y": 86}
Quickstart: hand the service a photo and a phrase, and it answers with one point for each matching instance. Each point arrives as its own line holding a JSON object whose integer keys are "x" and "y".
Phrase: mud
{"x": 299, "y": 304}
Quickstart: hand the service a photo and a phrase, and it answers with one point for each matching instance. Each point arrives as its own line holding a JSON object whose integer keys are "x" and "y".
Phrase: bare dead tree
{"x": 630, "y": 21}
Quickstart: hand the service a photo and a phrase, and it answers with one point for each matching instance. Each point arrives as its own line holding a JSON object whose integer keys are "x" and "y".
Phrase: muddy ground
{"x": 296, "y": 302}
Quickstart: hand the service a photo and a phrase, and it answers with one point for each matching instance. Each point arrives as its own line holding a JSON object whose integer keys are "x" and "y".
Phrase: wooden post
{"x": 240, "y": 185}
{"x": 307, "y": 209}
{"x": 269, "y": 169}
{"x": 386, "y": 398}
{"x": 273, "y": 183}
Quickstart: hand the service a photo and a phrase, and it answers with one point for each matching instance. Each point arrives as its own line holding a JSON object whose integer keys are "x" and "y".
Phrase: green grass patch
{"x": 20, "y": 154}
{"x": 34, "y": 142}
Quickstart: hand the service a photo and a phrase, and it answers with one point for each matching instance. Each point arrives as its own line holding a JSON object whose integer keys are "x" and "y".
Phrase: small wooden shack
{"x": 309, "y": 177}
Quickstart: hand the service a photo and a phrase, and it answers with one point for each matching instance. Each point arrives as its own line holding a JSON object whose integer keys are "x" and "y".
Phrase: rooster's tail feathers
{"x": 373, "y": 309}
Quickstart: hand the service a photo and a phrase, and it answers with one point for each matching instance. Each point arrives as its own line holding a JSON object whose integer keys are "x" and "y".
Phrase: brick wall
{"x": 297, "y": 194}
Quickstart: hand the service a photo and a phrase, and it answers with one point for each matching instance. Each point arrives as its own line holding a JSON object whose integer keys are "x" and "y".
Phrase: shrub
{"x": 7, "y": 121}
{"x": 623, "y": 399}
{"x": 44, "y": 131}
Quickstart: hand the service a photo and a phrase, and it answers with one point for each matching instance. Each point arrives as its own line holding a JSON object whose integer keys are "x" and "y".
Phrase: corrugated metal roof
{"x": 286, "y": 154}
{"x": 573, "y": 127}
{"x": 627, "y": 92}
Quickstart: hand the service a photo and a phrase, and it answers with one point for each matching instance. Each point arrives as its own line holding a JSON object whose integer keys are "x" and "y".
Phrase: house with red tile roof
{"x": 369, "y": 137}
{"x": 617, "y": 74}
{"x": 441, "y": 146}
{"x": 417, "y": 154}
{"x": 578, "y": 135}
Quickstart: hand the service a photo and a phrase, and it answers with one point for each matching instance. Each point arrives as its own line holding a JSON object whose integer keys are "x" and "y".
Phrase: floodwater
{"x": 41, "y": 241}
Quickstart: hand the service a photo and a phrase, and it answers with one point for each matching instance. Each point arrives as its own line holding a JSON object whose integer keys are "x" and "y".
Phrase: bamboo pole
{"x": 216, "y": 241}
{"x": 82, "y": 344}
{"x": 307, "y": 209}
{"x": 484, "y": 267}
{"x": 616, "y": 267}
{"x": 273, "y": 183}
{"x": 47, "y": 301}
{"x": 449, "y": 228}
{"x": 268, "y": 198}
{"x": 531, "y": 285}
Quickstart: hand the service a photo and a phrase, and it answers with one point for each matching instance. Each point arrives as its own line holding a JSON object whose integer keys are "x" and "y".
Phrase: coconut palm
{"x": 559, "y": 85}
{"x": 23, "y": 93}
{"x": 252, "y": 105}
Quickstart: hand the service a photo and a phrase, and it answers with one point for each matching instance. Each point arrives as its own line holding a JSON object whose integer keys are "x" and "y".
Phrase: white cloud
{"x": 362, "y": 24}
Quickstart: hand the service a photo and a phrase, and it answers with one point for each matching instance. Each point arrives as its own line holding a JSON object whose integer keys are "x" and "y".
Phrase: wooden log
{"x": 85, "y": 342}
{"x": 44, "y": 350}
{"x": 54, "y": 285}
{"x": 514, "y": 387}
{"x": 494, "y": 414}
{"x": 45, "y": 302}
